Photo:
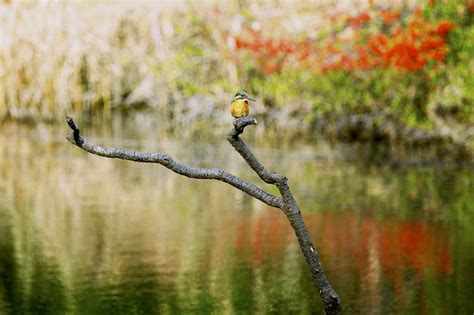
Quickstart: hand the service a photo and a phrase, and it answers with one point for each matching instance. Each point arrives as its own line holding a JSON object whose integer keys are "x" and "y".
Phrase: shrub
{"x": 379, "y": 61}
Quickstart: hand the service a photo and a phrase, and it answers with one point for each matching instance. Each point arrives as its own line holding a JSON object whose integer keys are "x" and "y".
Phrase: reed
{"x": 74, "y": 57}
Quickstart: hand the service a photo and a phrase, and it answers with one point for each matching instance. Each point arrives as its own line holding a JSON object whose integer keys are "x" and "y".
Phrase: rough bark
{"x": 286, "y": 202}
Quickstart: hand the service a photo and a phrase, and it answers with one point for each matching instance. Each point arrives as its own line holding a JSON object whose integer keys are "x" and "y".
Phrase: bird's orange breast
{"x": 240, "y": 108}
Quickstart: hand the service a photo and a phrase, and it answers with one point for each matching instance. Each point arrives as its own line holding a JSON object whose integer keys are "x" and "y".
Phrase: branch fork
{"x": 240, "y": 124}
{"x": 285, "y": 202}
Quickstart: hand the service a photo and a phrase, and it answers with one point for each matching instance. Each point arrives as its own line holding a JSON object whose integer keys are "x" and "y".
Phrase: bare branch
{"x": 167, "y": 161}
{"x": 243, "y": 149}
{"x": 332, "y": 304}
{"x": 240, "y": 124}
{"x": 286, "y": 202}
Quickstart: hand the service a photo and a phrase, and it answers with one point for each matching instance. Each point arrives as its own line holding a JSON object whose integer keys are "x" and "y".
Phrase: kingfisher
{"x": 240, "y": 104}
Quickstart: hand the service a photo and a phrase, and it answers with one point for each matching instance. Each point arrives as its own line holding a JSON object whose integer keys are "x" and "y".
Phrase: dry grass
{"x": 72, "y": 57}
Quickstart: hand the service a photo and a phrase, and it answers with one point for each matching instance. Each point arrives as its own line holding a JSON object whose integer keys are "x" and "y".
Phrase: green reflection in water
{"x": 86, "y": 235}
{"x": 34, "y": 286}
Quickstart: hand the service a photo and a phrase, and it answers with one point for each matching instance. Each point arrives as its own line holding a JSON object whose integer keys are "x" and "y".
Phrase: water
{"x": 80, "y": 234}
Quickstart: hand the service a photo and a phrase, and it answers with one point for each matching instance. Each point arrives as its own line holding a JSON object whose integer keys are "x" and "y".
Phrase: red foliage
{"x": 409, "y": 48}
{"x": 444, "y": 27}
{"x": 357, "y": 21}
{"x": 390, "y": 17}
{"x": 378, "y": 44}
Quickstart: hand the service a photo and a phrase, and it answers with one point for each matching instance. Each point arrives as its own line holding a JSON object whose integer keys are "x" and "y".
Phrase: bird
{"x": 240, "y": 105}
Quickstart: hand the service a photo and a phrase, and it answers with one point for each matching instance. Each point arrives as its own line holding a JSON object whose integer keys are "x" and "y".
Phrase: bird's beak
{"x": 250, "y": 99}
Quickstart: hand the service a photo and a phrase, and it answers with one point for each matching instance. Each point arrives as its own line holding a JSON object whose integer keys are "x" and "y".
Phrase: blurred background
{"x": 367, "y": 107}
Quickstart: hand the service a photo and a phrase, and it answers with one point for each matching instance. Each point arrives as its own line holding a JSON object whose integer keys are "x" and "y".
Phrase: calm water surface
{"x": 80, "y": 234}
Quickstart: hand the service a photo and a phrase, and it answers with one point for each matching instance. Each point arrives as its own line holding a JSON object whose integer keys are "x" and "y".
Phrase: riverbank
{"x": 355, "y": 138}
{"x": 385, "y": 73}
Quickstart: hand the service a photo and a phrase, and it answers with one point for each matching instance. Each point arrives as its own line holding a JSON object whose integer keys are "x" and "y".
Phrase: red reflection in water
{"x": 266, "y": 234}
{"x": 416, "y": 245}
{"x": 349, "y": 240}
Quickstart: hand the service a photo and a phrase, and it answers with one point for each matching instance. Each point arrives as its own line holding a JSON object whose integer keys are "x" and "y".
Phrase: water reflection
{"x": 87, "y": 235}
